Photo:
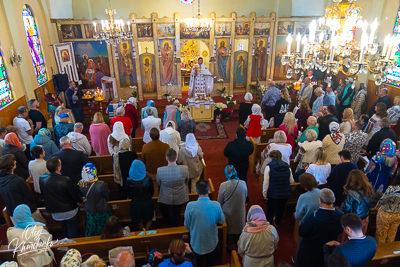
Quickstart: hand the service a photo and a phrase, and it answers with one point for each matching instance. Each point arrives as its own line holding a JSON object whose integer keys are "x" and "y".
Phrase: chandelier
{"x": 197, "y": 24}
{"x": 331, "y": 45}
{"x": 112, "y": 31}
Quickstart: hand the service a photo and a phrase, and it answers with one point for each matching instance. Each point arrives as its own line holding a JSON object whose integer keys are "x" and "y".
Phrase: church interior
{"x": 242, "y": 73}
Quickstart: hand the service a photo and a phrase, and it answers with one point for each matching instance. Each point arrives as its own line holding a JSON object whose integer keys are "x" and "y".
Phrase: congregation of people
{"x": 346, "y": 163}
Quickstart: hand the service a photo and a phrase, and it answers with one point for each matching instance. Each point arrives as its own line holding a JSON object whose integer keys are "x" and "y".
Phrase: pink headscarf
{"x": 256, "y": 220}
{"x": 12, "y": 139}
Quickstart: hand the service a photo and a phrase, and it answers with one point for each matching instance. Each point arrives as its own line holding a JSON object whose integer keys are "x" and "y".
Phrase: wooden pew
{"x": 104, "y": 164}
{"x": 137, "y": 144}
{"x": 235, "y": 262}
{"x": 384, "y": 255}
{"x": 256, "y": 156}
{"x": 267, "y": 134}
{"x": 122, "y": 208}
{"x": 141, "y": 244}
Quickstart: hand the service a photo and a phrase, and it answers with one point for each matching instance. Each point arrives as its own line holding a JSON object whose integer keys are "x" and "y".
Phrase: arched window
{"x": 6, "y": 95}
{"x": 32, "y": 35}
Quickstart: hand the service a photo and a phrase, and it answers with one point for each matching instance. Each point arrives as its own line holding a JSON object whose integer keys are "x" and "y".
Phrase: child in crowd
{"x": 37, "y": 167}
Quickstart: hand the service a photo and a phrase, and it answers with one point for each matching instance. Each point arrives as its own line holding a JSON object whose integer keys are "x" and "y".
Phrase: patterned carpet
{"x": 210, "y": 130}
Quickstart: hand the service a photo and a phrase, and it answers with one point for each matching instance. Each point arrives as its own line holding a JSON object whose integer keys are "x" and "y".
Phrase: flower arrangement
{"x": 183, "y": 107}
{"x": 228, "y": 100}
{"x": 226, "y": 113}
{"x": 219, "y": 107}
{"x": 281, "y": 85}
{"x": 253, "y": 86}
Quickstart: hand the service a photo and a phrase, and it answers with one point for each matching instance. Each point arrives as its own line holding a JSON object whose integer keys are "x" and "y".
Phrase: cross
{"x": 146, "y": 49}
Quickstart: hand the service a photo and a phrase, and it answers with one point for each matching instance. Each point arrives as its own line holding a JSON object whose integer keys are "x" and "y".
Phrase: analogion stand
{"x": 201, "y": 110}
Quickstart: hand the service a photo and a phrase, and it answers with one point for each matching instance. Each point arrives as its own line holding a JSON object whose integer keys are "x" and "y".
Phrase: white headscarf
{"x": 256, "y": 109}
{"x": 119, "y": 132}
{"x": 170, "y": 130}
{"x": 191, "y": 145}
{"x": 131, "y": 100}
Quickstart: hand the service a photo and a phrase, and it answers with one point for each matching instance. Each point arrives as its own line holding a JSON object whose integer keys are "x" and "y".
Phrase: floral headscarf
{"x": 151, "y": 103}
{"x": 336, "y": 135}
{"x": 72, "y": 258}
{"x": 230, "y": 173}
{"x": 388, "y": 149}
{"x": 44, "y": 131}
{"x": 12, "y": 139}
{"x": 256, "y": 220}
{"x": 155, "y": 257}
{"x": 89, "y": 175}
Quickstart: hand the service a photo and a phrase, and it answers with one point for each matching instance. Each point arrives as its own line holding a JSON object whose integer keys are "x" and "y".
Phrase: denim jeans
{"x": 70, "y": 227}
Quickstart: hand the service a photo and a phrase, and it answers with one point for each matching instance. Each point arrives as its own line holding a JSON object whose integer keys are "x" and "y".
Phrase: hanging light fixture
{"x": 197, "y": 24}
{"x": 112, "y": 31}
{"x": 331, "y": 44}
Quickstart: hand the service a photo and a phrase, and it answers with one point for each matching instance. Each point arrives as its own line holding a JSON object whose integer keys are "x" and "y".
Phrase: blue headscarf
{"x": 22, "y": 217}
{"x": 151, "y": 103}
{"x": 230, "y": 172}
{"x": 137, "y": 172}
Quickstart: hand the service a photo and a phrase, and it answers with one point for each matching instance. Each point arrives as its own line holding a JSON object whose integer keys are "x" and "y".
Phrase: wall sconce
{"x": 15, "y": 59}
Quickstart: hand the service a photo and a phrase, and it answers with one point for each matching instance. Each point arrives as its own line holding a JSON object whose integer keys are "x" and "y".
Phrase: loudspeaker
{"x": 60, "y": 82}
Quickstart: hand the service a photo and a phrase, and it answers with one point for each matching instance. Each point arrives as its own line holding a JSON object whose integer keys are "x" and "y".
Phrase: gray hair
{"x": 65, "y": 140}
{"x": 385, "y": 89}
{"x": 318, "y": 90}
{"x": 313, "y": 121}
{"x": 185, "y": 115}
{"x": 280, "y": 137}
{"x": 78, "y": 125}
{"x": 385, "y": 122}
{"x": 327, "y": 196}
{"x": 149, "y": 111}
{"x": 248, "y": 96}
{"x": 311, "y": 135}
{"x": 120, "y": 111}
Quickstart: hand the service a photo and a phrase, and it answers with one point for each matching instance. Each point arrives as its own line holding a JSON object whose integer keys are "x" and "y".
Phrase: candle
{"x": 298, "y": 39}
{"x": 103, "y": 25}
{"x": 394, "y": 46}
{"x": 321, "y": 37}
{"x": 313, "y": 27}
{"x": 390, "y": 47}
{"x": 129, "y": 26}
{"x": 289, "y": 43}
{"x": 304, "y": 41}
{"x": 333, "y": 45}
{"x": 95, "y": 26}
{"x": 364, "y": 39}
{"x": 374, "y": 26}
{"x": 12, "y": 51}
{"x": 386, "y": 44}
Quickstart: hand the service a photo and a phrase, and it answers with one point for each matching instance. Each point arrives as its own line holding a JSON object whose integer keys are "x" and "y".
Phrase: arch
{"x": 6, "y": 95}
{"x": 32, "y": 35}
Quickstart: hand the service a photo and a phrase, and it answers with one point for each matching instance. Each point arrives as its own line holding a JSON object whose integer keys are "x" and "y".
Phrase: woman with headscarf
{"x": 13, "y": 146}
{"x": 62, "y": 128}
{"x": 96, "y": 196}
{"x": 348, "y": 119}
{"x": 186, "y": 125}
{"x": 43, "y": 139}
{"x": 155, "y": 258}
{"x": 254, "y": 123}
{"x": 144, "y": 115}
{"x": 171, "y": 136}
{"x": 382, "y": 165}
{"x": 125, "y": 159}
{"x": 232, "y": 197}
{"x": 290, "y": 128}
{"x": 191, "y": 155}
{"x": 258, "y": 240}
{"x": 24, "y": 232}
{"x": 131, "y": 113}
{"x": 172, "y": 113}
{"x": 245, "y": 108}
{"x": 114, "y": 139}
{"x": 140, "y": 190}
{"x": 72, "y": 258}
{"x": 333, "y": 144}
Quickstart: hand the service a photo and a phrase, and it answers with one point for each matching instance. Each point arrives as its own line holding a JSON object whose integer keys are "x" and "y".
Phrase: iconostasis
{"x": 158, "y": 60}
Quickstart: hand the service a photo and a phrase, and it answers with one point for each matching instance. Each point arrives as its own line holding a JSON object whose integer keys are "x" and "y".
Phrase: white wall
{"x": 60, "y": 9}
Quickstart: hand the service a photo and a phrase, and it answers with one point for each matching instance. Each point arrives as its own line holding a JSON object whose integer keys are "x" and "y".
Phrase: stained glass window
{"x": 32, "y": 35}
{"x": 6, "y": 95}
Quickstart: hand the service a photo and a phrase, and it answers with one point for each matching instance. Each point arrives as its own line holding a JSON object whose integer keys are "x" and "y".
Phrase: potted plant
{"x": 218, "y": 110}
{"x": 168, "y": 95}
{"x": 222, "y": 91}
{"x": 228, "y": 100}
{"x": 226, "y": 113}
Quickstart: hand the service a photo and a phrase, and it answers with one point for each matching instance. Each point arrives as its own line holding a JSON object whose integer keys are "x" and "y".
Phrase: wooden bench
{"x": 384, "y": 255}
{"x": 137, "y": 144}
{"x": 141, "y": 244}
{"x": 122, "y": 208}
{"x": 119, "y": 208}
{"x": 104, "y": 164}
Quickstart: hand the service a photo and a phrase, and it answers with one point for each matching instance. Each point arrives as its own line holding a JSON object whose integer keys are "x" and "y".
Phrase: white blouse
{"x": 320, "y": 172}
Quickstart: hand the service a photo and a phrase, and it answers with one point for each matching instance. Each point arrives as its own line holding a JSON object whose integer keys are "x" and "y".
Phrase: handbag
{"x": 234, "y": 190}
{"x": 370, "y": 126}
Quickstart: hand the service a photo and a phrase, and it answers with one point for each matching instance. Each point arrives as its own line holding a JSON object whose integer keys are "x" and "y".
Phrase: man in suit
{"x": 325, "y": 121}
{"x": 172, "y": 180}
{"x": 382, "y": 94}
{"x": 375, "y": 142}
{"x": 306, "y": 90}
{"x": 72, "y": 160}
{"x": 149, "y": 123}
